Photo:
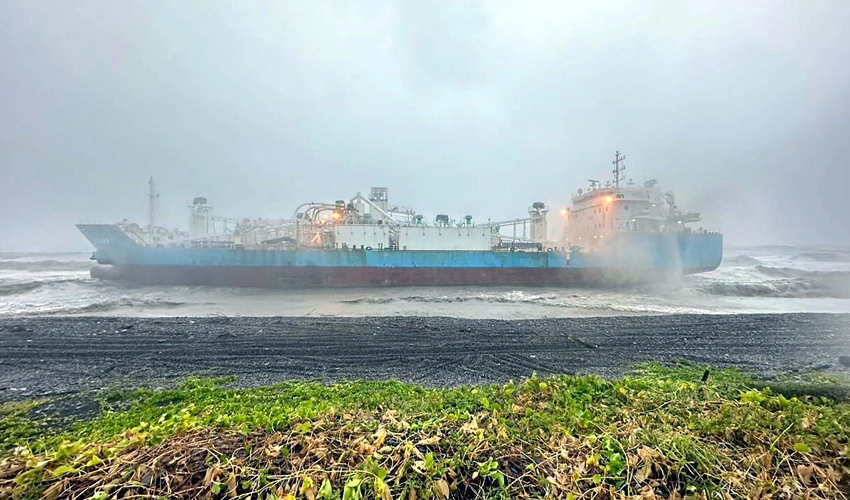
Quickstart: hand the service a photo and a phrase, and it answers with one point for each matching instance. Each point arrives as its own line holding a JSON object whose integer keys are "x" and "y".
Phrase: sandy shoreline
{"x": 50, "y": 356}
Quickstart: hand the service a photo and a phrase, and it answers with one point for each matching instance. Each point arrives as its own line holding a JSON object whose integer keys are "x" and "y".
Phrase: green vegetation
{"x": 659, "y": 433}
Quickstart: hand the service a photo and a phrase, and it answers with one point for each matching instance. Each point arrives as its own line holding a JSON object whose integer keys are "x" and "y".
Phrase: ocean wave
{"x": 8, "y": 289}
{"x": 45, "y": 265}
{"x": 589, "y": 302}
{"x": 832, "y": 256}
{"x": 40, "y": 255}
{"x": 783, "y": 288}
{"x": 16, "y": 288}
{"x": 790, "y": 272}
{"x": 741, "y": 260}
{"x": 368, "y": 300}
{"x": 515, "y": 297}
{"x": 109, "y": 305}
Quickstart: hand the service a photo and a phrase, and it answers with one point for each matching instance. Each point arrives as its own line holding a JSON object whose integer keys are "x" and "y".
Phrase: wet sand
{"x": 52, "y": 356}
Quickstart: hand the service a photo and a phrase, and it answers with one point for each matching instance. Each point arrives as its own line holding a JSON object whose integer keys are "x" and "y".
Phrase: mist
{"x": 479, "y": 107}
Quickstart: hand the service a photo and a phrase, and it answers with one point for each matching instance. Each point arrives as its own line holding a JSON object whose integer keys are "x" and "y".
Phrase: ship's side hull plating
{"x": 339, "y": 277}
{"x": 627, "y": 259}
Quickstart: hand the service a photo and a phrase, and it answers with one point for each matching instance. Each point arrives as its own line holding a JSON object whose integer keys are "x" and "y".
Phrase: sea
{"x": 763, "y": 279}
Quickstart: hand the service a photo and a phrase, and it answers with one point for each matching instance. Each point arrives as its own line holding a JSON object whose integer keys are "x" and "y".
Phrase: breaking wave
{"x": 369, "y": 300}
{"x": 788, "y": 272}
{"x": 564, "y": 301}
{"x": 837, "y": 256}
{"x": 45, "y": 265}
{"x": 16, "y": 288}
{"x": 8, "y": 289}
{"x": 741, "y": 260}
{"x": 785, "y": 283}
{"x": 515, "y": 297}
{"x": 504, "y": 298}
{"x": 783, "y": 290}
{"x": 114, "y": 304}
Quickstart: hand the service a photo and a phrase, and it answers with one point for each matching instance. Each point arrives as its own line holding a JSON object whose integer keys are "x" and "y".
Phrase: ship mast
{"x": 152, "y": 196}
{"x": 618, "y": 168}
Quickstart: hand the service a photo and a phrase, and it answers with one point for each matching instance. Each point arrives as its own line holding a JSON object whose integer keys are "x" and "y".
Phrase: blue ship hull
{"x": 629, "y": 258}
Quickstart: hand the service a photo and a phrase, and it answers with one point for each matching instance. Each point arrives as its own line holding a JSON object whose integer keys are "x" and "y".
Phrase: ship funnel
{"x": 200, "y": 219}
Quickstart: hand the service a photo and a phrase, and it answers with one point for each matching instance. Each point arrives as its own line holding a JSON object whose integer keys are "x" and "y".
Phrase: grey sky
{"x": 741, "y": 108}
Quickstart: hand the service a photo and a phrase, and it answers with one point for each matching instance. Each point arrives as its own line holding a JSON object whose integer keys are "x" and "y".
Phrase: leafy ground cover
{"x": 661, "y": 432}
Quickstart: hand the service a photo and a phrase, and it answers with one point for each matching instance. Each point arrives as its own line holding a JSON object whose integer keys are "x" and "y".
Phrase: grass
{"x": 659, "y": 433}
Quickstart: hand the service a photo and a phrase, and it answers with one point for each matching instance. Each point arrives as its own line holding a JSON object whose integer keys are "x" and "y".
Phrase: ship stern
{"x": 700, "y": 252}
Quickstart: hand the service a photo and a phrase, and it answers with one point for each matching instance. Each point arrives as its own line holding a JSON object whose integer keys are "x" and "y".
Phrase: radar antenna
{"x": 619, "y": 168}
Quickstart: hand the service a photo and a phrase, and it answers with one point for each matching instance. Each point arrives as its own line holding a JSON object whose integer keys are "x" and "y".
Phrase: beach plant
{"x": 660, "y": 432}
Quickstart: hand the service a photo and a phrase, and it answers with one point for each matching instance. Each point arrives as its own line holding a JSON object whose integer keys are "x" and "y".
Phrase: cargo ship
{"x": 613, "y": 233}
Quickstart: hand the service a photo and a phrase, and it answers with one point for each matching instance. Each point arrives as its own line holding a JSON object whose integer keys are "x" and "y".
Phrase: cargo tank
{"x": 614, "y": 233}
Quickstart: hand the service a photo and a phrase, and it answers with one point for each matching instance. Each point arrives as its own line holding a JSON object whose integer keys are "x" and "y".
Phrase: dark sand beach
{"x": 52, "y": 356}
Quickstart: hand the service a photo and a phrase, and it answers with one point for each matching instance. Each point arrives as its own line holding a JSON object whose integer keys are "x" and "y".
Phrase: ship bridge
{"x": 599, "y": 212}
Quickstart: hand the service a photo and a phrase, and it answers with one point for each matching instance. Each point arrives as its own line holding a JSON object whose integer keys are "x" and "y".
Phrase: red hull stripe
{"x": 317, "y": 277}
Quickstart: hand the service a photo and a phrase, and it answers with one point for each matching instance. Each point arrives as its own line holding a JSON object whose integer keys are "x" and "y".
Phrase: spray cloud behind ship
{"x": 475, "y": 108}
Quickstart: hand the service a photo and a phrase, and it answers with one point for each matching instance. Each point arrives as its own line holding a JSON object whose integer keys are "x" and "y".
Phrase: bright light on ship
{"x": 609, "y": 199}
{"x": 564, "y": 212}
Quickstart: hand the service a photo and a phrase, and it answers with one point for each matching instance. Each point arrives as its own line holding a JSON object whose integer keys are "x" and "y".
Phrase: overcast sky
{"x": 741, "y": 108}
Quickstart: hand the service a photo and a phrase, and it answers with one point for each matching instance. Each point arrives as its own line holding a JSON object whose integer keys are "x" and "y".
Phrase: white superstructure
{"x": 361, "y": 236}
{"x": 361, "y": 223}
{"x": 445, "y": 238}
{"x": 601, "y": 211}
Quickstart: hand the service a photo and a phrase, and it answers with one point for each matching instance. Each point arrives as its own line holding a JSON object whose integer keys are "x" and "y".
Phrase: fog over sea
{"x": 765, "y": 279}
